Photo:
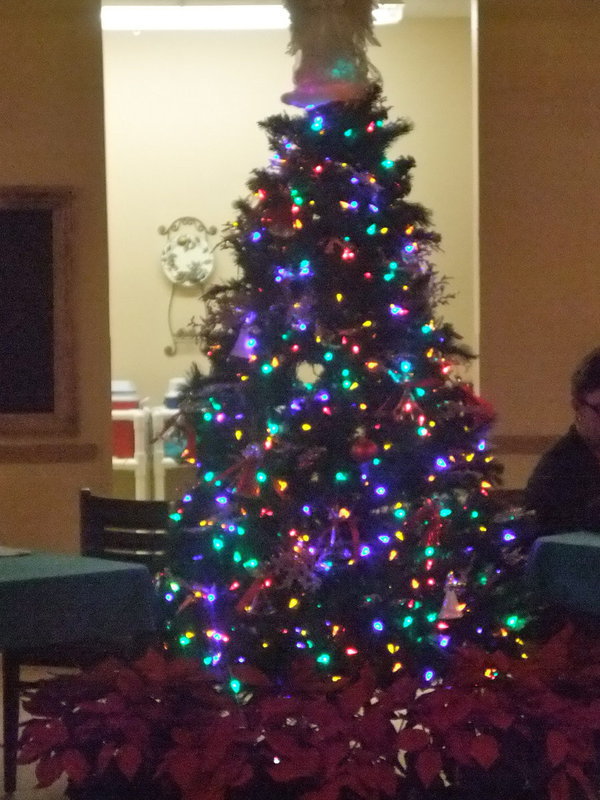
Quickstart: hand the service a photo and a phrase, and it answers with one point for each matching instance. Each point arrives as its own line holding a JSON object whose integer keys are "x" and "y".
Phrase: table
{"x": 51, "y": 599}
{"x": 566, "y": 569}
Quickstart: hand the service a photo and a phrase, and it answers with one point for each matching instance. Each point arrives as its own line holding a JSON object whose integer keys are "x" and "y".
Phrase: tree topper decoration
{"x": 331, "y": 37}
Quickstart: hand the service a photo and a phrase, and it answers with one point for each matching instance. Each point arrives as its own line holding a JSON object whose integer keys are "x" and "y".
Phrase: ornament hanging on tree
{"x": 246, "y": 341}
{"x": 330, "y": 37}
{"x": 452, "y": 608}
{"x": 363, "y": 449}
{"x": 279, "y": 221}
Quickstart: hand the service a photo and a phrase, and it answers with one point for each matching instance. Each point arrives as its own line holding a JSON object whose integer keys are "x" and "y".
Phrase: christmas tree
{"x": 343, "y": 505}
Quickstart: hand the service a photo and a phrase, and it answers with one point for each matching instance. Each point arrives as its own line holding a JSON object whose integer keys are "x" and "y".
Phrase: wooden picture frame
{"x": 37, "y": 370}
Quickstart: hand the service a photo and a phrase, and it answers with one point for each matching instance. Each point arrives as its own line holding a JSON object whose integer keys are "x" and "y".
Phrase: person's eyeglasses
{"x": 595, "y": 409}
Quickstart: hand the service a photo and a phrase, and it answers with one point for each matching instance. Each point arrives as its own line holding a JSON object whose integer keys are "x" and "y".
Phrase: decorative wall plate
{"x": 187, "y": 258}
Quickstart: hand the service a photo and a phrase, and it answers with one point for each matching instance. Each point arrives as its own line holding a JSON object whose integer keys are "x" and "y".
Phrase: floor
{"x": 26, "y": 782}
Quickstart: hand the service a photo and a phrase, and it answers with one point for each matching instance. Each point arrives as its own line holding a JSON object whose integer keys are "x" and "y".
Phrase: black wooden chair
{"x": 112, "y": 528}
{"x": 124, "y": 530}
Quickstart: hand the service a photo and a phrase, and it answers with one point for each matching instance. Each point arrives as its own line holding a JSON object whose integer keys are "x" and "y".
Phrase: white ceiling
{"x": 412, "y": 8}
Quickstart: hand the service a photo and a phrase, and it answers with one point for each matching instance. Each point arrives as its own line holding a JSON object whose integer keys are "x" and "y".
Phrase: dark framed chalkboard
{"x": 37, "y": 385}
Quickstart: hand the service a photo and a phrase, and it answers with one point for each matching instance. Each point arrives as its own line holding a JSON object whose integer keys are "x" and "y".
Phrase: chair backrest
{"x": 124, "y": 530}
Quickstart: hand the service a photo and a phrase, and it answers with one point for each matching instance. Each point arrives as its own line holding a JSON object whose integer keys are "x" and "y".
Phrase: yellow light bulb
{"x": 293, "y": 602}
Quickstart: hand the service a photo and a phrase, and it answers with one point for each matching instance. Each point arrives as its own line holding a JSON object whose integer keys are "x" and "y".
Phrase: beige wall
{"x": 539, "y": 95}
{"x": 181, "y": 113}
{"x": 52, "y": 134}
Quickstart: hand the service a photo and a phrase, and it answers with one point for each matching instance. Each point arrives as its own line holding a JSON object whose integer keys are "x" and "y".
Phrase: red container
{"x": 123, "y": 438}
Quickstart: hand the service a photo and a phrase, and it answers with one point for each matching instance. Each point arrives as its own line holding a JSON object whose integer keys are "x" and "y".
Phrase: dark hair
{"x": 586, "y": 377}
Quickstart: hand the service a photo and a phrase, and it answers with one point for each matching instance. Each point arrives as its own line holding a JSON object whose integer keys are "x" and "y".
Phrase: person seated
{"x": 564, "y": 488}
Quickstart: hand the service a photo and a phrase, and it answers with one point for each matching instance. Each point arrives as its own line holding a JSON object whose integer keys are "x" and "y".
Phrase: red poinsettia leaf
{"x": 501, "y": 720}
{"x": 208, "y": 791}
{"x": 306, "y": 765}
{"x": 325, "y": 715}
{"x": 128, "y": 758}
{"x": 47, "y": 770}
{"x": 187, "y": 669}
{"x": 246, "y": 673}
{"x": 75, "y": 764}
{"x": 183, "y": 767}
{"x": 428, "y": 766}
{"x": 184, "y": 736}
{"x": 557, "y": 747}
{"x": 113, "y": 703}
{"x": 131, "y": 685}
{"x": 575, "y": 771}
{"x": 558, "y": 787}
{"x": 484, "y": 750}
{"x": 329, "y": 791}
{"x": 242, "y": 776}
{"x": 412, "y": 739}
{"x": 354, "y": 696}
{"x": 31, "y": 751}
{"x": 216, "y": 745}
{"x": 47, "y": 733}
{"x": 374, "y": 729}
{"x": 105, "y": 755}
{"x": 401, "y": 692}
{"x": 273, "y": 709}
{"x": 378, "y": 779}
{"x": 333, "y": 754}
{"x": 153, "y": 665}
{"x": 284, "y": 744}
{"x": 458, "y": 742}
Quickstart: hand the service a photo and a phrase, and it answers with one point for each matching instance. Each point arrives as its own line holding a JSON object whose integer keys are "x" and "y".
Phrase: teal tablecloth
{"x": 566, "y": 570}
{"x": 48, "y": 599}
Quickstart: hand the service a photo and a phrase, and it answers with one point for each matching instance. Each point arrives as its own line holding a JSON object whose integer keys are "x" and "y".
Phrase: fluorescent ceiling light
{"x": 215, "y": 18}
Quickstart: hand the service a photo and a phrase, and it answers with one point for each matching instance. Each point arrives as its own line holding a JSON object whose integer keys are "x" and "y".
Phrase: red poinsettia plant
{"x": 499, "y": 728}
